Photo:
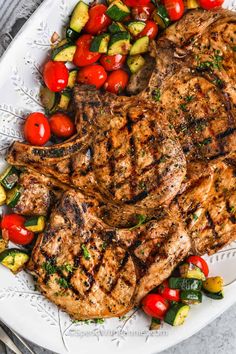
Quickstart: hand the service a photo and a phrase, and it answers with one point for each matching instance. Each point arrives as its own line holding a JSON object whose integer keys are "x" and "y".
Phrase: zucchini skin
{"x": 9, "y": 178}
{"x": 176, "y": 315}
{"x": 18, "y": 261}
{"x": 214, "y": 296}
{"x": 185, "y": 283}
{"x": 64, "y": 53}
{"x": 191, "y": 297}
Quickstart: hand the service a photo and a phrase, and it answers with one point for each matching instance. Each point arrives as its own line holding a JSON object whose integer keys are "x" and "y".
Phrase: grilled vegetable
{"x": 72, "y": 79}
{"x": 189, "y": 270}
{"x": 2, "y": 195}
{"x": 13, "y": 196}
{"x": 140, "y": 46}
{"x": 80, "y": 17}
{"x": 100, "y": 43}
{"x": 61, "y": 125}
{"x": 36, "y": 224}
{"x": 136, "y": 27}
{"x": 37, "y": 129}
{"x": 49, "y": 99}
{"x": 116, "y": 27}
{"x": 117, "y": 11}
{"x": 155, "y": 305}
{"x": 98, "y": 20}
{"x": 168, "y": 293}
{"x": 16, "y": 232}
{"x": 3, "y": 243}
{"x": 135, "y": 63}
{"x": 200, "y": 263}
{"x": 14, "y": 259}
{"x": 64, "y": 101}
{"x": 55, "y": 75}
{"x": 177, "y": 314}
{"x": 192, "y": 4}
{"x": 213, "y": 284}
{"x": 119, "y": 44}
{"x": 191, "y": 297}
{"x": 214, "y": 296}
{"x": 185, "y": 284}
{"x": 71, "y": 35}
{"x": 160, "y": 16}
{"x": 155, "y": 324}
{"x": 64, "y": 53}
{"x": 9, "y": 178}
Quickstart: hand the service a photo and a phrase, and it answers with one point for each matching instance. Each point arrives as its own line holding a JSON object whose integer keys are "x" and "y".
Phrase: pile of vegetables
{"x": 172, "y": 299}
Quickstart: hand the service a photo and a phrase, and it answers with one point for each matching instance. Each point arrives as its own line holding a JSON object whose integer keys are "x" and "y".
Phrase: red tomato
{"x": 200, "y": 263}
{"x": 83, "y": 56}
{"x": 142, "y": 13}
{"x": 17, "y": 233}
{"x": 117, "y": 81}
{"x": 92, "y": 75}
{"x": 175, "y": 9}
{"x": 210, "y": 4}
{"x": 155, "y": 305}
{"x": 112, "y": 62}
{"x": 167, "y": 293}
{"x": 134, "y": 3}
{"x": 37, "y": 129}
{"x": 150, "y": 30}
{"x": 61, "y": 125}
{"x": 55, "y": 75}
{"x": 98, "y": 20}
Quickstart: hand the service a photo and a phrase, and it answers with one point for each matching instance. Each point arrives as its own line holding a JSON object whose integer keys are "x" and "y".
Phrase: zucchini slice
{"x": 13, "y": 196}
{"x": 3, "y": 195}
{"x": 189, "y": 270}
{"x": 64, "y": 101}
{"x": 135, "y": 27}
{"x": 71, "y": 35}
{"x": 160, "y": 16}
{"x": 177, "y": 314}
{"x": 214, "y": 296}
{"x": 155, "y": 324}
{"x": 64, "y": 53}
{"x": 116, "y": 27}
{"x": 14, "y": 259}
{"x": 213, "y": 284}
{"x": 72, "y": 79}
{"x": 49, "y": 99}
{"x": 192, "y": 4}
{"x": 35, "y": 224}
{"x": 185, "y": 284}
{"x": 119, "y": 44}
{"x": 140, "y": 46}
{"x": 191, "y": 297}
{"x": 117, "y": 11}
{"x": 100, "y": 43}
{"x": 135, "y": 63}
{"x": 9, "y": 178}
{"x": 79, "y": 17}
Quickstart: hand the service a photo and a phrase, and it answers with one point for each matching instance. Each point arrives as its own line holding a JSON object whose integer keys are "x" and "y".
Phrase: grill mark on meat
{"x": 226, "y": 133}
{"x": 211, "y": 225}
{"x": 122, "y": 265}
{"x": 229, "y": 210}
{"x": 132, "y": 153}
{"x": 57, "y": 152}
{"x": 232, "y": 163}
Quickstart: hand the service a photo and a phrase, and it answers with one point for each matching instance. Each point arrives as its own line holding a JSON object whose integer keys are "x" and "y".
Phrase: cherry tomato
{"x": 98, "y": 20}
{"x": 92, "y": 75}
{"x": 210, "y": 4}
{"x": 155, "y": 305}
{"x": 37, "y": 129}
{"x": 55, "y": 75}
{"x": 167, "y": 293}
{"x": 83, "y": 56}
{"x": 135, "y": 3}
{"x": 142, "y": 13}
{"x": 150, "y": 30}
{"x": 200, "y": 263}
{"x": 112, "y": 62}
{"x": 61, "y": 125}
{"x": 17, "y": 233}
{"x": 117, "y": 81}
{"x": 175, "y": 9}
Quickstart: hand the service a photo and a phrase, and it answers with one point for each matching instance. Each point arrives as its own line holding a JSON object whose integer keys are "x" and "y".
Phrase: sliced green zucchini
{"x": 72, "y": 35}
{"x": 3, "y": 195}
{"x": 72, "y": 79}
{"x": 49, "y": 99}
{"x": 215, "y": 296}
{"x": 116, "y": 27}
{"x": 79, "y": 17}
{"x": 64, "y": 101}
{"x": 140, "y": 46}
{"x": 189, "y": 270}
{"x": 117, "y": 11}
{"x": 213, "y": 284}
{"x": 100, "y": 43}
{"x": 61, "y": 43}
{"x": 13, "y": 196}
{"x": 160, "y": 16}
{"x": 192, "y": 4}
{"x": 14, "y": 259}
{"x": 9, "y": 178}
{"x": 35, "y": 224}
{"x": 185, "y": 284}
{"x": 135, "y": 27}
{"x": 155, "y": 324}
{"x": 191, "y": 297}
{"x": 64, "y": 53}
{"x": 119, "y": 44}
{"x": 177, "y": 314}
{"x": 135, "y": 63}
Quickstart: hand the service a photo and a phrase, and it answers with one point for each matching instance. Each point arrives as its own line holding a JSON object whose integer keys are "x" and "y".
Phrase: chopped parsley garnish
{"x": 189, "y": 98}
{"x": 183, "y": 107}
{"x": 205, "y": 142}
{"x": 234, "y": 48}
{"x": 67, "y": 267}
{"x": 141, "y": 220}
{"x": 86, "y": 253}
{"x": 63, "y": 283}
{"x": 232, "y": 209}
{"x": 195, "y": 217}
{"x": 156, "y": 95}
{"x": 49, "y": 268}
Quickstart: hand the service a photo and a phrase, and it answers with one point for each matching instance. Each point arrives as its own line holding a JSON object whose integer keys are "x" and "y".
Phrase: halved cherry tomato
{"x": 134, "y": 3}
{"x": 167, "y": 293}
{"x": 155, "y": 305}
{"x": 55, "y": 75}
{"x": 117, "y": 81}
{"x": 98, "y": 20}
{"x": 92, "y": 75}
{"x": 83, "y": 56}
{"x": 175, "y": 9}
{"x": 37, "y": 129}
{"x": 61, "y": 125}
{"x": 112, "y": 62}
{"x": 150, "y": 30}
{"x": 200, "y": 263}
{"x": 210, "y": 4}
{"x": 142, "y": 13}
{"x": 17, "y": 233}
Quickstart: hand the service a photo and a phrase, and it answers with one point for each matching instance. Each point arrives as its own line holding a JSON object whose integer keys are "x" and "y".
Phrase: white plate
{"x": 23, "y": 308}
